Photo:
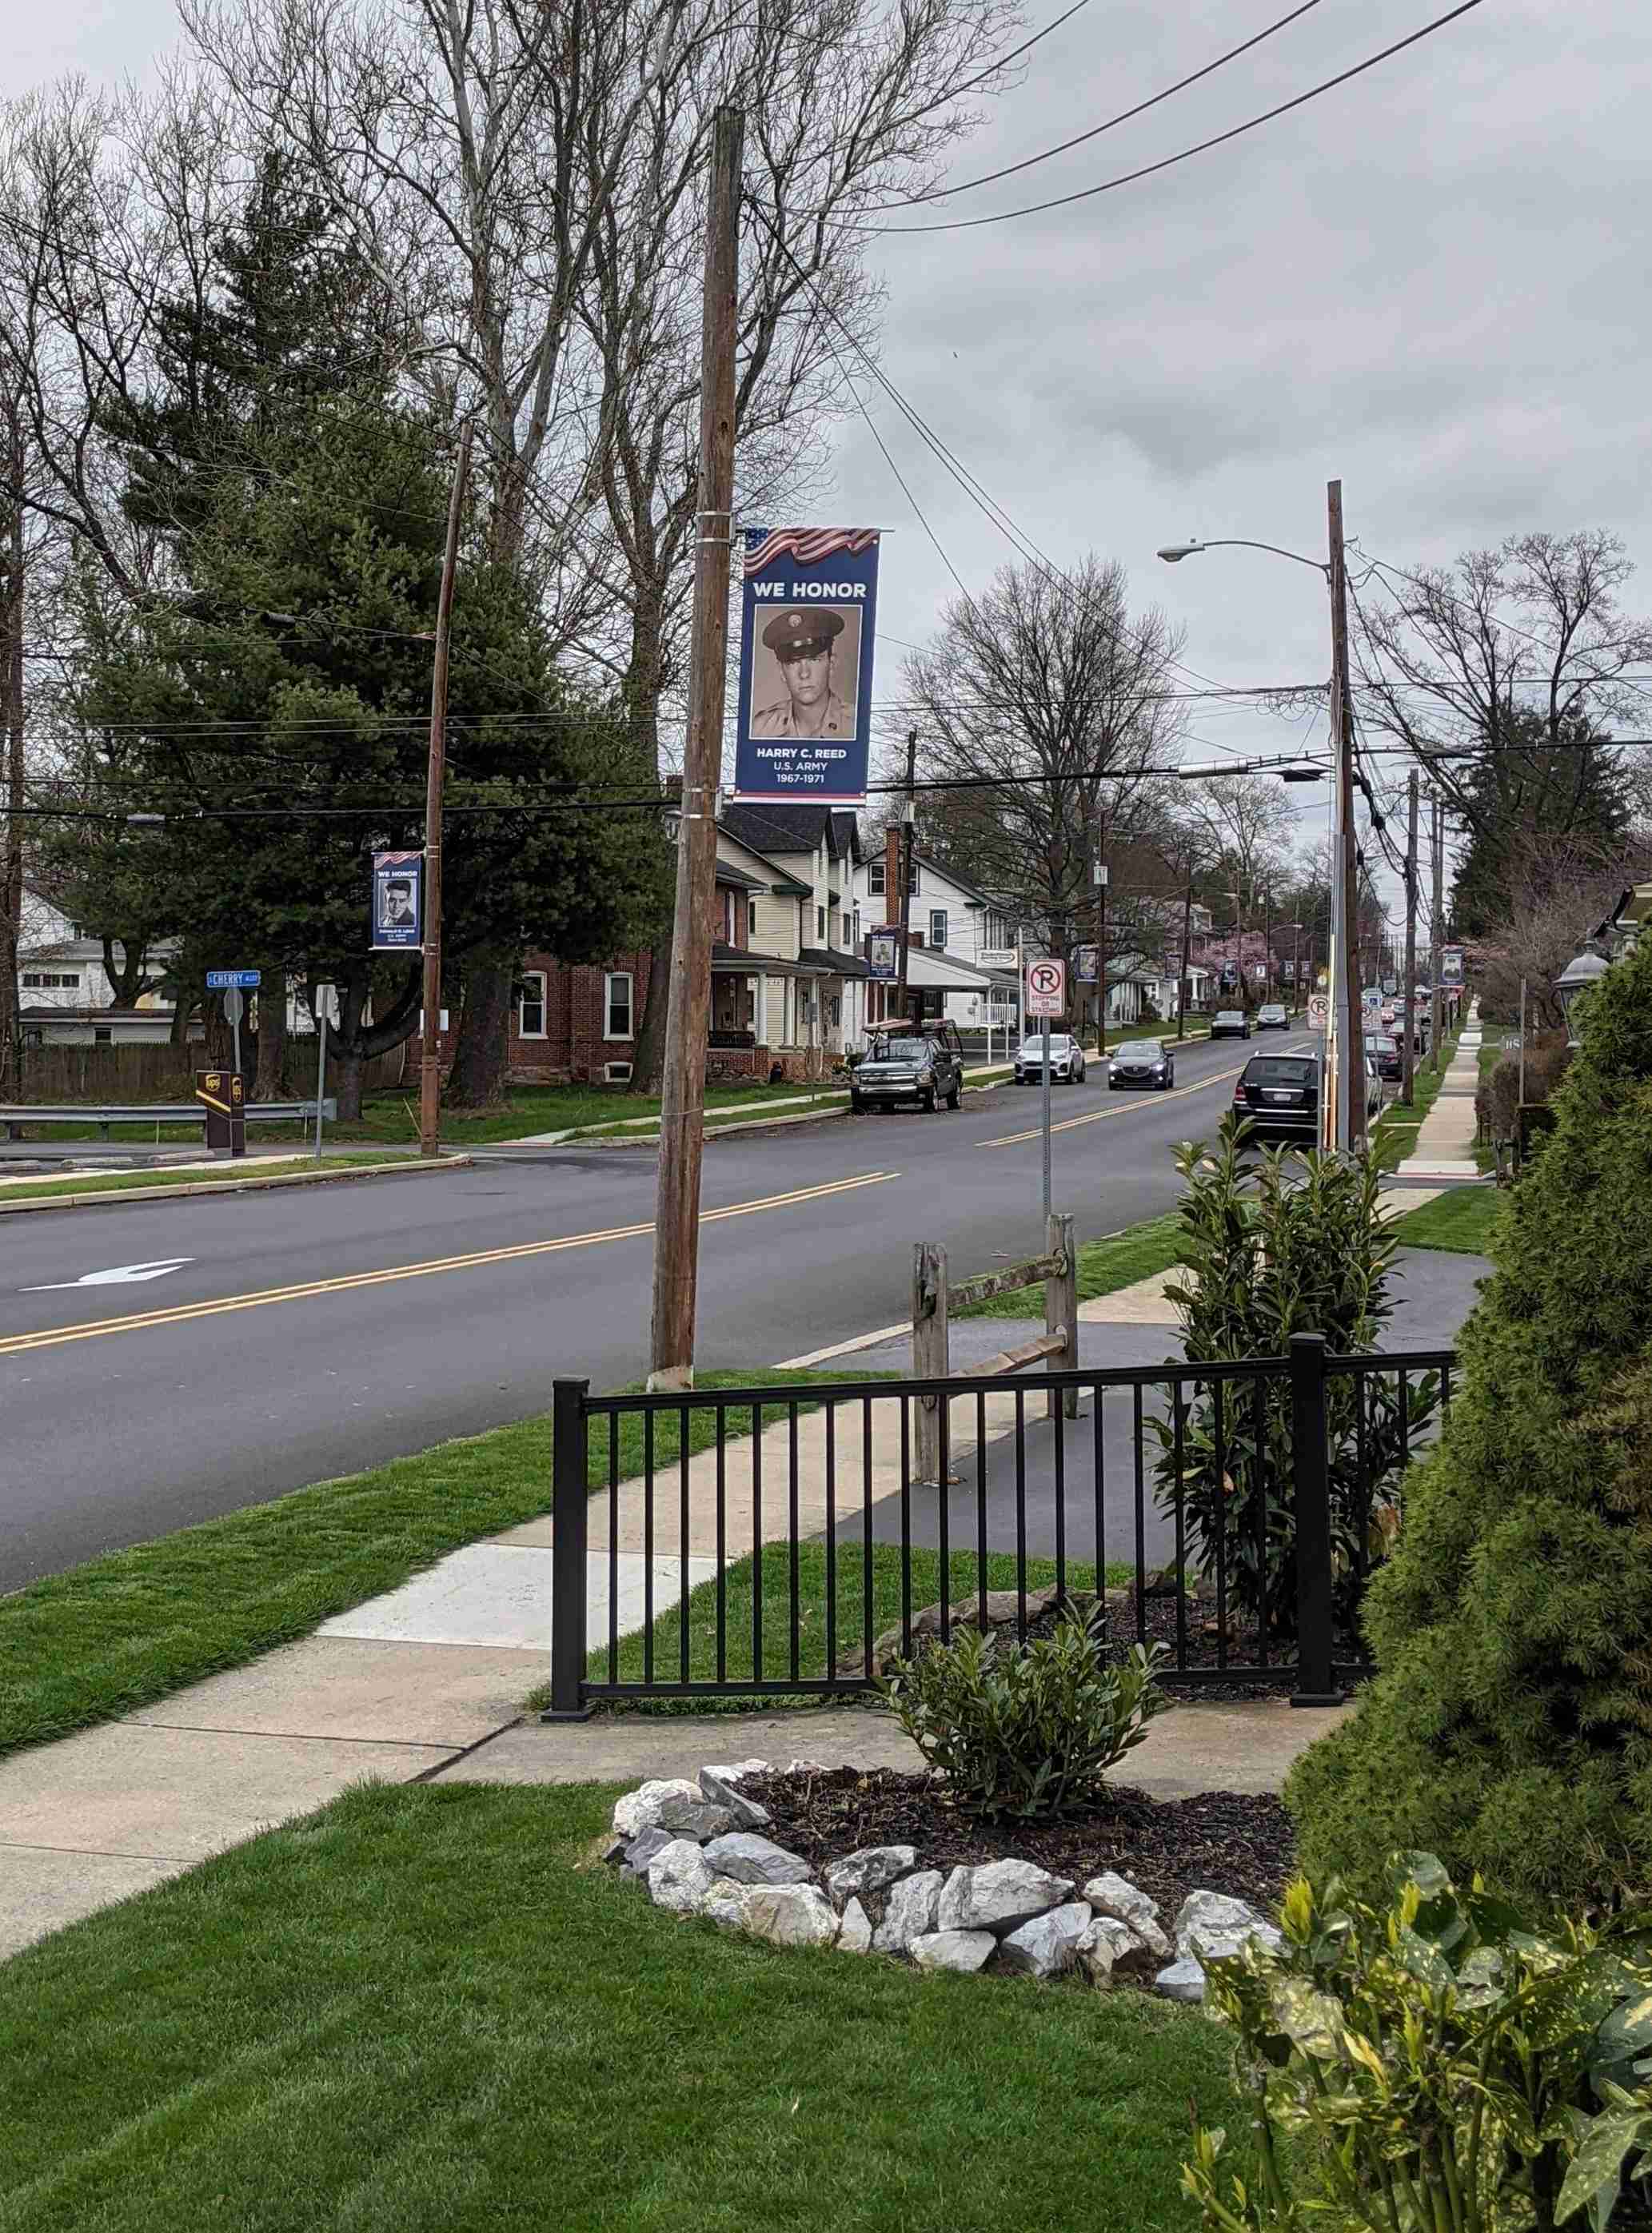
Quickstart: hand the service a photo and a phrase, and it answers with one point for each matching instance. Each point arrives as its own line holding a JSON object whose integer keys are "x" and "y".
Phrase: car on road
{"x": 1385, "y": 1051}
{"x": 1066, "y": 1058}
{"x": 1142, "y": 1062}
{"x": 924, "y": 1064}
{"x": 1230, "y": 1024}
{"x": 1280, "y": 1095}
{"x": 1273, "y": 1018}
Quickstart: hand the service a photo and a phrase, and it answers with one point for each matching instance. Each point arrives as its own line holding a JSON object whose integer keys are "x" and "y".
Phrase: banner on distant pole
{"x": 398, "y": 896}
{"x": 804, "y": 715}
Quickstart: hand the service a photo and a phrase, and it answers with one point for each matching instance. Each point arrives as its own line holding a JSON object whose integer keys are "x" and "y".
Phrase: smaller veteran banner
{"x": 803, "y": 716}
{"x": 398, "y": 896}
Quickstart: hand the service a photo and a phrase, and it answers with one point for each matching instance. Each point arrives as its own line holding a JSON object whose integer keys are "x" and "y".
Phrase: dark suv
{"x": 1280, "y": 1094}
{"x": 924, "y": 1064}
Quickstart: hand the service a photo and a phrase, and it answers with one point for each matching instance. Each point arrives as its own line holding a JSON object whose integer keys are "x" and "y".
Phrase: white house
{"x": 64, "y": 989}
{"x": 961, "y": 955}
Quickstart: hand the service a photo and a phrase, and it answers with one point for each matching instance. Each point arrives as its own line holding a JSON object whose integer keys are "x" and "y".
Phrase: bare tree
{"x": 1463, "y": 663}
{"x": 1245, "y": 823}
{"x": 1049, "y": 707}
{"x": 1557, "y": 894}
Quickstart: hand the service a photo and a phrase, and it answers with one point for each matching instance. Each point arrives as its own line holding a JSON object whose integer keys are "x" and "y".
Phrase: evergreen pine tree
{"x": 1509, "y": 1729}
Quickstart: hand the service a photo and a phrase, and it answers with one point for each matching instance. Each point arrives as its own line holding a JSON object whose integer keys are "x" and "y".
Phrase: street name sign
{"x": 225, "y": 980}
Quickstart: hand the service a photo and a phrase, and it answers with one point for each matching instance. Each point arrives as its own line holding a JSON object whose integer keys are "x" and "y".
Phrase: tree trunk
{"x": 347, "y": 1048}
{"x": 481, "y": 1053}
{"x": 11, "y": 858}
{"x": 271, "y": 1083}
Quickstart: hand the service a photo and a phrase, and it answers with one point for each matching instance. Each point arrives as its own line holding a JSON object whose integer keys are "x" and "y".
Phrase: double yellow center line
{"x": 182, "y": 1313}
{"x": 1100, "y": 1115}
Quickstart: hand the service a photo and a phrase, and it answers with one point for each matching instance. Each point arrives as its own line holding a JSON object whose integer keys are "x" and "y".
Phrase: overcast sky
{"x": 1432, "y": 282}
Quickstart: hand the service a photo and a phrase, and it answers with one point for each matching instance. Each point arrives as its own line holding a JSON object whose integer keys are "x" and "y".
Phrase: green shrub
{"x": 1026, "y": 1733}
{"x": 1270, "y": 1251}
{"x": 1509, "y": 1730}
{"x": 1437, "y": 2065}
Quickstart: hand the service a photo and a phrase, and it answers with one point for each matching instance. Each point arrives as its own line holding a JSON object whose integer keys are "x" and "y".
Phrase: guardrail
{"x": 15, "y": 1115}
{"x": 934, "y": 1296}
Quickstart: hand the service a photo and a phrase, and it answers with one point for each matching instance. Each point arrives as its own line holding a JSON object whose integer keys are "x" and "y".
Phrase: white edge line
{"x": 843, "y": 1348}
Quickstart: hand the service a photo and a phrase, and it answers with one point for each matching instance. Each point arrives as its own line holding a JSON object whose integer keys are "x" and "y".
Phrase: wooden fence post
{"x": 930, "y": 1354}
{"x": 1061, "y": 1305}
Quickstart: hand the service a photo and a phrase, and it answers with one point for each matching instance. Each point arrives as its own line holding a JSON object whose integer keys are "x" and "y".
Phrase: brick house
{"x": 788, "y": 981}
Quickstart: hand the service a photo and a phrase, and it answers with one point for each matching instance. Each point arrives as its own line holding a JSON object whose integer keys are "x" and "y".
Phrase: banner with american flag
{"x": 803, "y": 721}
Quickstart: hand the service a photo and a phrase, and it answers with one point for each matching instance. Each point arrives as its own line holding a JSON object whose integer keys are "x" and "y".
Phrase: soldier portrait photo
{"x": 805, "y": 662}
{"x": 400, "y": 909}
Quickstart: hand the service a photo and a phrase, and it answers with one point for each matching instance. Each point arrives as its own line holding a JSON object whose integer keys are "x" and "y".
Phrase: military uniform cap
{"x": 800, "y": 632}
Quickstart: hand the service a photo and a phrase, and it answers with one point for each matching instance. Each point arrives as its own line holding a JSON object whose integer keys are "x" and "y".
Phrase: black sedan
{"x": 1230, "y": 1024}
{"x": 1385, "y": 1052}
{"x": 1142, "y": 1062}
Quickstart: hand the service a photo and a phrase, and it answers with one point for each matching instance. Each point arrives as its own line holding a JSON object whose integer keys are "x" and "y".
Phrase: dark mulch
{"x": 1219, "y": 1841}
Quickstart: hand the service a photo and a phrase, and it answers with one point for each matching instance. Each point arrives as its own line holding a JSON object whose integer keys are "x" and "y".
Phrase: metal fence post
{"x": 1315, "y": 1676}
{"x": 570, "y": 1497}
{"x": 1061, "y": 1305}
{"x": 931, "y": 1345}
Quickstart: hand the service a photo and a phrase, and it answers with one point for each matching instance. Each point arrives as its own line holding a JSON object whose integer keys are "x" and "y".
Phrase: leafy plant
{"x": 1027, "y": 1732}
{"x": 1268, "y": 1255}
{"x": 1437, "y": 2065}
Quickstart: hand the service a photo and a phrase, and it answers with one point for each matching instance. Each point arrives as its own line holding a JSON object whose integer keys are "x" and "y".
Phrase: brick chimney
{"x": 891, "y": 874}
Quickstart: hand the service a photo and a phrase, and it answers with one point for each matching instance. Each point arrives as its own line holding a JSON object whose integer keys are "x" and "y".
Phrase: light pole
{"x": 1347, "y": 1111}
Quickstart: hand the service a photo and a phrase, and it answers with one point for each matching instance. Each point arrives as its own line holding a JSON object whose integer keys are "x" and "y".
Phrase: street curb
{"x": 115, "y": 1197}
{"x": 715, "y": 1132}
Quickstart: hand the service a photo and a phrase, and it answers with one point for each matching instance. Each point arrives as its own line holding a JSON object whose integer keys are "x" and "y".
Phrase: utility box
{"x": 222, "y": 1093}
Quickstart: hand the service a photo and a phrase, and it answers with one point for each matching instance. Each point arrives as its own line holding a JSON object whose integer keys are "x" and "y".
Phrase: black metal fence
{"x": 774, "y": 1539}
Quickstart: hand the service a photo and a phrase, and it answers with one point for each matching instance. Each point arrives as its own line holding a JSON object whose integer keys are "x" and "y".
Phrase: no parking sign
{"x": 1047, "y": 988}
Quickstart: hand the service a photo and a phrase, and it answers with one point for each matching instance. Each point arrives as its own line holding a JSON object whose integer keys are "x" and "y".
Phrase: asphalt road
{"x": 309, "y": 1333}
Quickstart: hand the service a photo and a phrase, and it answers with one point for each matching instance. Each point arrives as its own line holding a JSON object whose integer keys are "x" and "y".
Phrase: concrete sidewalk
{"x": 1445, "y": 1143}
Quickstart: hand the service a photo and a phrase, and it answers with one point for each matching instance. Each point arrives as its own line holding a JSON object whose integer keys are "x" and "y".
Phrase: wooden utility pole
{"x": 676, "y": 1217}
{"x": 907, "y": 828}
{"x": 1408, "y": 1055}
{"x": 436, "y": 776}
{"x": 12, "y": 566}
{"x": 1436, "y": 935}
{"x": 1183, "y": 988}
{"x": 1351, "y": 1092}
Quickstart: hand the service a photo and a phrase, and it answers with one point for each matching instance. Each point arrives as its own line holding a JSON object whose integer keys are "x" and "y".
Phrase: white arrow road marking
{"x": 120, "y": 1275}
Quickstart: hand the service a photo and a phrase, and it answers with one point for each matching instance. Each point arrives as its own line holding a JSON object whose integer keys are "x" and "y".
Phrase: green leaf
{"x": 1592, "y": 2176}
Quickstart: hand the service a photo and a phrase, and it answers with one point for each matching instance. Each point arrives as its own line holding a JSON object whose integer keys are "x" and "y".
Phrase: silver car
{"x": 1066, "y": 1058}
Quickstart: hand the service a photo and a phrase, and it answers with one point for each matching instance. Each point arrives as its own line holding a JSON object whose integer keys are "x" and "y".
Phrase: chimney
{"x": 892, "y": 874}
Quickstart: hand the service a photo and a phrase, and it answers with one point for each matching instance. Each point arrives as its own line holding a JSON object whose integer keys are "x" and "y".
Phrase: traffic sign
{"x": 1047, "y": 988}
{"x": 1319, "y": 1009}
{"x": 234, "y": 1006}
{"x": 223, "y": 981}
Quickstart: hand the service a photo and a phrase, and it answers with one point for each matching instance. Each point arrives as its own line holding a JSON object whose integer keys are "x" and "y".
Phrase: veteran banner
{"x": 804, "y": 715}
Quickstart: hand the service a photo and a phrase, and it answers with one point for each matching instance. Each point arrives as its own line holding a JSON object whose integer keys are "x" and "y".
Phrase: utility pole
{"x": 676, "y": 1217}
{"x": 1099, "y": 874}
{"x": 1187, "y": 940}
{"x": 1349, "y": 1116}
{"x": 909, "y": 818}
{"x": 436, "y": 776}
{"x": 1409, "y": 988}
{"x": 1437, "y": 934}
{"x": 1267, "y": 944}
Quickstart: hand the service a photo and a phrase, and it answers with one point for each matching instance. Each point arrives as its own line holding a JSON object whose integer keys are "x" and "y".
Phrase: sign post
{"x": 1046, "y": 997}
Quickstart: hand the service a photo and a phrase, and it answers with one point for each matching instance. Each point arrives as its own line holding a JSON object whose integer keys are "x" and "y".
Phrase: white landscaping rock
{"x": 1113, "y": 1895}
{"x": 721, "y": 1786}
{"x": 910, "y": 1912}
{"x": 963, "y": 1951}
{"x": 678, "y": 1878}
{"x": 1209, "y": 1925}
{"x": 1183, "y": 1981}
{"x": 725, "y": 1903}
{"x": 1128, "y": 1954}
{"x": 790, "y": 1914}
{"x": 1095, "y": 1954}
{"x": 999, "y": 1896}
{"x": 753, "y": 1860}
{"x": 871, "y": 1869}
{"x": 854, "y": 1935}
{"x": 806, "y": 1768}
{"x": 641, "y": 1850}
{"x": 1048, "y": 1945}
{"x": 673, "y": 1804}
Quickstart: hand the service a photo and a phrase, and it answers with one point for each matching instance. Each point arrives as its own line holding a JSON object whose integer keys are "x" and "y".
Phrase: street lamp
{"x": 1347, "y": 1109}
{"x": 1584, "y": 969}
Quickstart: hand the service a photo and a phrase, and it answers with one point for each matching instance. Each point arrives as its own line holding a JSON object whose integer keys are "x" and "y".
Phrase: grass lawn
{"x": 122, "y": 1630}
{"x": 1463, "y": 1220}
{"x": 1119, "y": 1259}
{"x": 631, "y": 1659}
{"x": 123, "y": 1182}
{"x": 416, "y": 2012}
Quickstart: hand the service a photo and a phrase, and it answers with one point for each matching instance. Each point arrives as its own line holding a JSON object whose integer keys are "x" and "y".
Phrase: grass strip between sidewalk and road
{"x": 1463, "y": 1220}
{"x": 423, "y": 2010}
{"x": 123, "y": 1630}
{"x": 231, "y": 1177}
{"x": 811, "y": 1598}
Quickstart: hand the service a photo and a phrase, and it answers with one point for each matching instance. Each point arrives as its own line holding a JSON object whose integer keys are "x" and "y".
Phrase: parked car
{"x": 1230, "y": 1024}
{"x": 1273, "y": 1018}
{"x": 1142, "y": 1062}
{"x": 1388, "y": 1054}
{"x": 1280, "y": 1094}
{"x": 1066, "y": 1058}
{"x": 924, "y": 1064}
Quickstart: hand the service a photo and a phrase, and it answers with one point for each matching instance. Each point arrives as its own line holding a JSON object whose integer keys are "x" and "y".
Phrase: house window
{"x": 102, "y": 1035}
{"x": 51, "y": 981}
{"x": 617, "y": 1004}
{"x": 914, "y": 880}
{"x": 837, "y": 1010}
{"x": 875, "y": 878}
{"x": 819, "y": 924}
{"x": 751, "y": 918}
{"x": 529, "y": 1005}
{"x": 937, "y": 927}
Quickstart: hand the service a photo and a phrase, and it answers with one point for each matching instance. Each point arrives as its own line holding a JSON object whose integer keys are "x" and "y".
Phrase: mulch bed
{"x": 1219, "y": 1841}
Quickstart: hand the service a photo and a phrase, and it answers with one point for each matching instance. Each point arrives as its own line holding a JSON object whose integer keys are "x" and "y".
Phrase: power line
{"x": 991, "y": 178}
{"x": 1168, "y": 162}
